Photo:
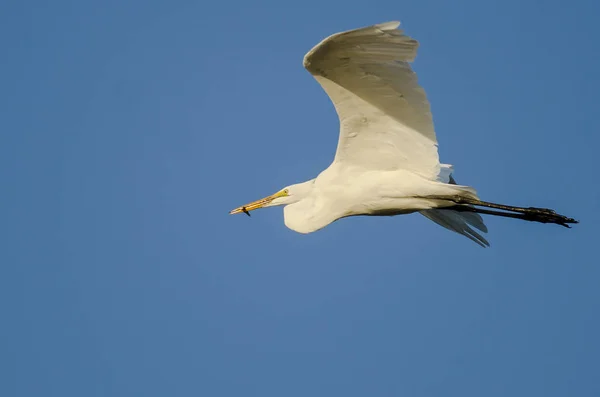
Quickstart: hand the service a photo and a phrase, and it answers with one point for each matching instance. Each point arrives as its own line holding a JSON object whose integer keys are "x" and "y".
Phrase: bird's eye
{"x": 286, "y": 191}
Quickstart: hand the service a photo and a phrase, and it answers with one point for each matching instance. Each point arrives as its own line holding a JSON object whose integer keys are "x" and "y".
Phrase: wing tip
{"x": 460, "y": 223}
{"x": 384, "y": 26}
{"x": 391, "y": 25}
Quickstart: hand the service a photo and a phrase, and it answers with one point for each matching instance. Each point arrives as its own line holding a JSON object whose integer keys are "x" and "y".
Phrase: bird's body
{"x": 386, "y": 161}
{"x": 341, "y": 191}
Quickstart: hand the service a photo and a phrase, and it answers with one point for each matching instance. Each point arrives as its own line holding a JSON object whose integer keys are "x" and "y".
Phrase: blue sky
{"x": 130, "y": 129}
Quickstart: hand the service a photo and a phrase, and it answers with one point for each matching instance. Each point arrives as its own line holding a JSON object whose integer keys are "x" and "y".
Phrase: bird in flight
{"x": 386, "y": 162}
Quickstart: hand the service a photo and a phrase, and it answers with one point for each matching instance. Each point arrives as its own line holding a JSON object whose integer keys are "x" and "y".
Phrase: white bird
{"x": 386, "y": 161}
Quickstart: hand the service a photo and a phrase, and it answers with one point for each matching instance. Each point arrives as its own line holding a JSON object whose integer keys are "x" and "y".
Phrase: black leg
{"x": 461, "y": 200}
{"x": 532, "y": 214}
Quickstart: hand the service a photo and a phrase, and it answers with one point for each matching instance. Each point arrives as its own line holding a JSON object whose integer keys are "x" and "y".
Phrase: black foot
{"x": 543, "y": 215}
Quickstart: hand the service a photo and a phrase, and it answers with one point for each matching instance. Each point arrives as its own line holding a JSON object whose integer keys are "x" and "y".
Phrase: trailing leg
{"x": 532, "y": 214}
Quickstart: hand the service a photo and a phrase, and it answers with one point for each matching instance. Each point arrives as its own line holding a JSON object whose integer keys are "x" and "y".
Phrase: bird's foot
{"x": 544, "y": 215}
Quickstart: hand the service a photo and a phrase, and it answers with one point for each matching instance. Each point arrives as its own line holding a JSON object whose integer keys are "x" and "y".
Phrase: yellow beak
{"x": 258, "y": 203}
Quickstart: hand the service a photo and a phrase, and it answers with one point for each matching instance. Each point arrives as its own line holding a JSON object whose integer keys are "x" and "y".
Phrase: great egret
{"x": 386, "y": 161}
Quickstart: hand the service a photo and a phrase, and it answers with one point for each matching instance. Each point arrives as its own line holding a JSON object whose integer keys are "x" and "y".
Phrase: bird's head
{"x": 288, "y": 195}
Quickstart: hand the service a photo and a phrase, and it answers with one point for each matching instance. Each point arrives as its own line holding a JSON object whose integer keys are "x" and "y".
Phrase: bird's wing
{"x": 463, "y": 223}
{"x": 385, "y": 118}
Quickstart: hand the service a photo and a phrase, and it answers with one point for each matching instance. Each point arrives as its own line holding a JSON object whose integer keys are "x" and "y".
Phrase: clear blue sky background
{"x": 130, "y": 129}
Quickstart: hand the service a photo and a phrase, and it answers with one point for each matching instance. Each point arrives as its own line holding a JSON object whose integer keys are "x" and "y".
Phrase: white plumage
{"x": 386, "y": 161}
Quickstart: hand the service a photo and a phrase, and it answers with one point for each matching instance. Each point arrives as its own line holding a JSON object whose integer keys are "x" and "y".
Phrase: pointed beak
{"x": 256, "y": 204}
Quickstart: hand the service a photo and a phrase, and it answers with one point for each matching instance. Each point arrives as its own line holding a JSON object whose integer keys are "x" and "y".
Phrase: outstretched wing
{"x": 385, "y": 118}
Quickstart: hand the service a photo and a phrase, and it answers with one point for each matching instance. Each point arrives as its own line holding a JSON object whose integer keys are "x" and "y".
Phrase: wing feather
{"x": 385, "y": 117}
